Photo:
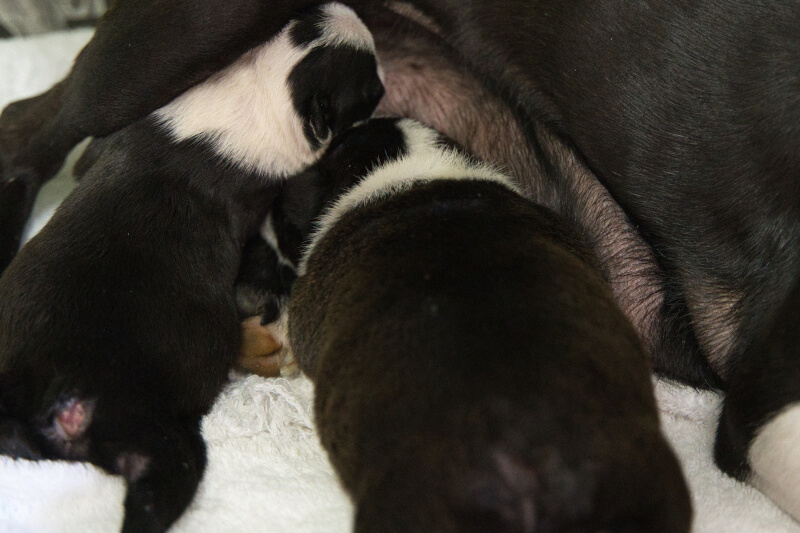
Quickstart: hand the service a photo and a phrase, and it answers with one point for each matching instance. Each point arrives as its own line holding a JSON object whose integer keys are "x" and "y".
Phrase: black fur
{"x": 125, "y": 300}
{"x": 119, "y": 320}
{"x": 688, "y": 113}
{"x": 262, "y": 281}
{"x": 316, "y": 94}
{"x": 460, "y": 362}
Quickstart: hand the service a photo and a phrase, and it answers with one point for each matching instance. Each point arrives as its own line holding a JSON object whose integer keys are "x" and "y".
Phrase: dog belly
{"x": 695, "y": 135}
{"x": 424, "y": 80}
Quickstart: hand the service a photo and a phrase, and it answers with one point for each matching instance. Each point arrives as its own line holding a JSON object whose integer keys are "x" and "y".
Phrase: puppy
{"x": 118, "y": 322}
{"x": 472, "y": 370}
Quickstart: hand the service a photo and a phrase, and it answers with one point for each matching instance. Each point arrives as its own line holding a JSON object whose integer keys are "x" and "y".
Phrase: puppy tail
{"x": 503, "y": 493}
{"x": 163, "y": 463}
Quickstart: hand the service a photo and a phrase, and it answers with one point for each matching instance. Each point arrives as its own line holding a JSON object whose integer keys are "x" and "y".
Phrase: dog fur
{"x": 415, "y": 274}
{"x": 118, "y": 321}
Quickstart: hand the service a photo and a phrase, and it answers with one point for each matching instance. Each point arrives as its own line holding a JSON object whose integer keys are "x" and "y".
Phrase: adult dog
{"x": 687, "y": 112}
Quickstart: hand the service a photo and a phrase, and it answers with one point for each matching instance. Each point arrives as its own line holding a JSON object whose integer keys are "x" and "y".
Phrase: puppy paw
{"x": 264, "y": 350}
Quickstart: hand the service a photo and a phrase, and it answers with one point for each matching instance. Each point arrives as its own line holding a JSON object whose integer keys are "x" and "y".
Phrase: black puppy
{"x": 686, "y": 112}
{"x": 529, "y": 407}
{"x": 118, "y": 322}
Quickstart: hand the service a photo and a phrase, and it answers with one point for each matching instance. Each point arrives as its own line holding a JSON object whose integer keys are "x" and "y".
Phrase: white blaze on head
{"x": 246, "y": 111}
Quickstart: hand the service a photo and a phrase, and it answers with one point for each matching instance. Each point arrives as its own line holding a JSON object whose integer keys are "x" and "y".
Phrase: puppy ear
{"x": 332, "y": 88}
{"x": 300, "y": 202}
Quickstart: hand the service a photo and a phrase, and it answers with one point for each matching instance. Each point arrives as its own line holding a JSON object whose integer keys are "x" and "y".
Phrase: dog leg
{"x": 758, "y": 439}
{"x": 162, "y": 461}
{"x": 31, "y": 152}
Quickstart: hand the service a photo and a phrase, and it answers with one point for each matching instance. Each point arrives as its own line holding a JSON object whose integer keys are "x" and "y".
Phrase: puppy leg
{"x": 162, "y": 461}
{"x": 29, "y": 155}
{"x": 758, "y": 438}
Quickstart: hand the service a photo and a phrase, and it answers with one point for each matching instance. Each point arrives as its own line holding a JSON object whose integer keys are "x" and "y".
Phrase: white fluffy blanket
{"x": 267, "y": 472}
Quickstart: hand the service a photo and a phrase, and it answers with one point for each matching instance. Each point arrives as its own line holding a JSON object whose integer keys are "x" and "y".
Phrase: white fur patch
{"x": 267, "y": 232}
{"x": 246, "y": 112}
{"x": 775, "y": 460}
{"x": 280, "y": 330}
{"x": 425, "y": 160}
{"x": 342, "y": 27}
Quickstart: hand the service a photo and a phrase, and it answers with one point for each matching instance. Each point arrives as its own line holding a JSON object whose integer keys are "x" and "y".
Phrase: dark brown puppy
{"x": 118, "y": 322}
{"x": 525, "y": 405}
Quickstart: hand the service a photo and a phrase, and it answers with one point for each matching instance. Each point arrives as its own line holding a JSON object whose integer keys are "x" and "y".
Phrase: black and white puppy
{"x": 118, "y": 322}
{"x": 529, "y": 407}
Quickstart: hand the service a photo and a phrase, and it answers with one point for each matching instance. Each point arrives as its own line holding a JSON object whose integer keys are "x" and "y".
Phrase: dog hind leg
{"x": 758, "y": 437}
{"x": 161, "y": 460}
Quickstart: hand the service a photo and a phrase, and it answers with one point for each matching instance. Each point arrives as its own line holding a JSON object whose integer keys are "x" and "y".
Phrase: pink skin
{"x": 73, "y": 419}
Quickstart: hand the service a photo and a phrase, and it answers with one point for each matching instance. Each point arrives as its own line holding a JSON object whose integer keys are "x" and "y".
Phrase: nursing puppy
{"x": 118, "y": 322}
{"x": 472, "y": 370}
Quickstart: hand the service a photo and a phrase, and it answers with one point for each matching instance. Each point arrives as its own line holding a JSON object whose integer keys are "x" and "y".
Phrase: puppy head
{"x": 361, "y": 163}
{"x": 276, "y": 108}
{"x": 337, "y": 84}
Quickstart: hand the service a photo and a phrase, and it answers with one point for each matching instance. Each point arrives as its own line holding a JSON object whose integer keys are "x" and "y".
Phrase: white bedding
{"x": 267, "y": 472}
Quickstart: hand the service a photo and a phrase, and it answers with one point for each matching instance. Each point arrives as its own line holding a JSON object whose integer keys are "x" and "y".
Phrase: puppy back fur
{"x": 473, "y": 371}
